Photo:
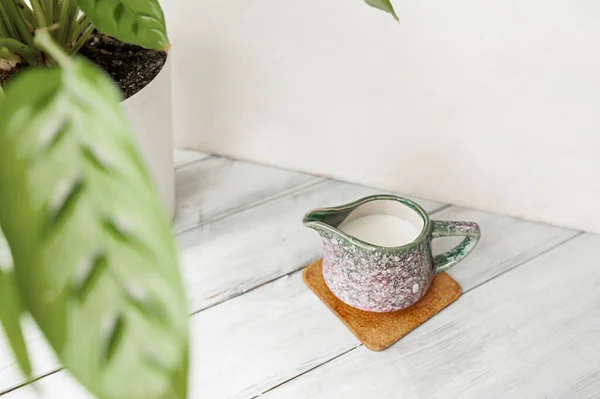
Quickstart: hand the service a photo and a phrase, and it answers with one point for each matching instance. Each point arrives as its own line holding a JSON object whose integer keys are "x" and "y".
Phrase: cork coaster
{"x": 379, "y": 331}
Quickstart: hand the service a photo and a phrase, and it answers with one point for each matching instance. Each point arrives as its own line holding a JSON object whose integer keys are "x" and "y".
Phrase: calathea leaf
{"x": 90, "y": 240}
{"x": 384, "y": 5}
{"x": 11, "y": 307}
{"x": 140, "y": 22}
{"x": 10, "y": 315}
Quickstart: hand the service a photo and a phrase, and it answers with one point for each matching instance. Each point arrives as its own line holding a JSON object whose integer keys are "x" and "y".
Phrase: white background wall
{"x": 489, "y": 104}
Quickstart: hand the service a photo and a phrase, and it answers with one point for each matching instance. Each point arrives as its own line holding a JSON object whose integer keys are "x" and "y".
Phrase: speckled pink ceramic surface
{"x": 385, "y": 279}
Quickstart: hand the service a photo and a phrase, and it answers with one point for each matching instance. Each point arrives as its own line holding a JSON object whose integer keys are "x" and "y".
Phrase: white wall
{"x": 489, "y": 104}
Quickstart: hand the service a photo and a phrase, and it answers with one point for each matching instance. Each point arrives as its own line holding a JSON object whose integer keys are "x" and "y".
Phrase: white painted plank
{"x": 252, "y": 342}
{"x": 250, "y": 248}
{"x": 531, "y": 333}
{"x": 183, "y": 158}
{"x": 505, "y": 243}
{"x": 248, "y": 345}
{"x": 217, "y": 187}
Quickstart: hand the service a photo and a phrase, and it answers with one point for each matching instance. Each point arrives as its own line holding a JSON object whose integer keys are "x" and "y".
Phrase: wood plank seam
{"x": 579, "y": 233}
{"x": 282, "y": 194}
{"x": 216, "y": 186}
{"x": 33, "y": 380}
{"x": 193, "y": 163}
{"x": 307, "y": 371}
{"x": 266, "y": 200}
{"x": 470, "y": 290}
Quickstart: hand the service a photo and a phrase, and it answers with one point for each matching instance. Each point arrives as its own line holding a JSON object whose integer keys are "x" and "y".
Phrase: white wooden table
{"x": 527, "y": 325}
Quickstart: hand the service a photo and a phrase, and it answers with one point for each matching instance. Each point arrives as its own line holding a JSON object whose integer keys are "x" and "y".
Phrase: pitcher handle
{"x": 469, "y": 230}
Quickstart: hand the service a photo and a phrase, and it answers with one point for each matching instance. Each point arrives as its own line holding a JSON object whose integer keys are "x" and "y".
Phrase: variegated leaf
{"x": 91, "y": 243}
{"x": 140, "y": 22}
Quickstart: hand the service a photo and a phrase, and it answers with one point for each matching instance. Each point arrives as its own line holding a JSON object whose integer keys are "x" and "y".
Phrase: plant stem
{"x": 50, "y": 11}
{"x": 7, "y": 23}
{"x": 12, "y": 44}
{"x": 1, "y": 93}
{"x": 82, "y": 39}
{"x": 26, "y": 13}
{"x": 82, "y": 25}
{"x": 19, "y": 22}
{"x": 68, "y": 14}
{"x": 31, "y": 56}
{"x": 45, "y": 42}
{"x": 38, "y": 13}
{"x": 3, "y": 27}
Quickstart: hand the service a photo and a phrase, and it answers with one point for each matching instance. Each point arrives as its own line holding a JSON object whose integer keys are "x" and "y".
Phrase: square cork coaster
{"x": 379, "y": 331}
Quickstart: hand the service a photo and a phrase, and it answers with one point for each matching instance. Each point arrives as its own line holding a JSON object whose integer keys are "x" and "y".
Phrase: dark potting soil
{"x": 5, "y": 76}
{"x": 131, "y": 67}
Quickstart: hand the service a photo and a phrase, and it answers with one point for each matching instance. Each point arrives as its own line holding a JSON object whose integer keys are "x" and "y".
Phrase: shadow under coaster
{"x": 379, "y": 331}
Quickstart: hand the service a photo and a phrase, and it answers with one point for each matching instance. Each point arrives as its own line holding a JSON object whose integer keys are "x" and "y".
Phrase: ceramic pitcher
{"x": 374, "y": 271}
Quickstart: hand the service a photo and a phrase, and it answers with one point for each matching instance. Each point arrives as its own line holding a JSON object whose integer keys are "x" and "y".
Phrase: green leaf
{"x": 384, "y": 5}
{"x": 10, "y": 315}
{"x": 140, "y": 22}
{"x": 91, "y": 242}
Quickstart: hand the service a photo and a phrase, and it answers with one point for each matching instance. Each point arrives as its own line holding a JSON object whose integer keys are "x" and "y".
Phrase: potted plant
{"x": 94, "y": 260}
{"x": 137, "y": 62}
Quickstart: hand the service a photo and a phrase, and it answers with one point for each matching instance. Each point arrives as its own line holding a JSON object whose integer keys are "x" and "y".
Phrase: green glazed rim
{"x": 319, "y": 225}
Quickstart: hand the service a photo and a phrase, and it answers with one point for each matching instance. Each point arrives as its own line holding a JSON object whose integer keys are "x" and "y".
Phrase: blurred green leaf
{"x": 11, "y": 310}
{"x": 140, "y": 22}
{"x": 384, "y": 5}
{"x": 91, "y": 242}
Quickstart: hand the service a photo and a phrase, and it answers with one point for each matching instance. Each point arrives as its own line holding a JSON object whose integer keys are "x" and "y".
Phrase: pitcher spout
{"x": 377, "y": 222}
{"x": 326, "y": 219}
